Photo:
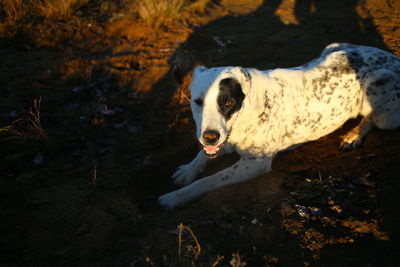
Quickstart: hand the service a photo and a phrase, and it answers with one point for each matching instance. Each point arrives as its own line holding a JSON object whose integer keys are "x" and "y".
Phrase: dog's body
{"x": 259, "y": 113}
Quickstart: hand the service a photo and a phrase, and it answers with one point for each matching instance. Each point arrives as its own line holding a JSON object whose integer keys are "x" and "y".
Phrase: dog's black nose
{"x": 211, "y": 136}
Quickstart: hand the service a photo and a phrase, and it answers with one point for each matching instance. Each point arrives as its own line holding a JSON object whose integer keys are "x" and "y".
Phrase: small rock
{"x": 77, "y": 88}
{"x": 316, "y": 211}
{"x": 133, "y": 128}
{"x": 119, "y": 125}
{"x": 106, "y": 111}
{"x": 38, "y": 160}
{"x": 176, "y": 231}
{"x": 218, "y": 41}
{"x": 12, "y": 114}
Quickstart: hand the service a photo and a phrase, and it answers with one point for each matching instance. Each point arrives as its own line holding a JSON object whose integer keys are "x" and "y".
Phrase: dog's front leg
{"x": 244, "y": 169}
{"x": 185, "y": 174}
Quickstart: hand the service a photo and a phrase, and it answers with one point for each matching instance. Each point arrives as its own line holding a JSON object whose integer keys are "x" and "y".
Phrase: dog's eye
{"x": 228, "y": 103}
{"x": 199, "y": 101}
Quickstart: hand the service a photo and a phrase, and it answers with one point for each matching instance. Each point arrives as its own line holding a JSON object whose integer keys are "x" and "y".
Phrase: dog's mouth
{"x": 212, "y": 151}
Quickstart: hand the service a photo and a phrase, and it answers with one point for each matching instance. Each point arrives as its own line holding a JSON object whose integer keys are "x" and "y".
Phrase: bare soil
{"x": 117, "y": 126}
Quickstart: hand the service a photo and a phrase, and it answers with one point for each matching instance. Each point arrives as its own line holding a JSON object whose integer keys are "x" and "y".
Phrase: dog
{"x": 259, "y": 113}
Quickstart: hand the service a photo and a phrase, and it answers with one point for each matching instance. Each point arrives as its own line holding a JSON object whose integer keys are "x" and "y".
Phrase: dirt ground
{"x": 115, "y": 127}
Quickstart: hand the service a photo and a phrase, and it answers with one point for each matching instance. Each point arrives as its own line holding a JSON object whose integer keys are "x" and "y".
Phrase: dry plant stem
{"x": 217, "y": 261}
{"x": 94, "y": 174}
{"x": 195, "y": 249}
{"x": 236, "y": 261}
{"x": 34, "y": 129}
{"x": 6, "y": 129}
{"x": 180, "y": 226}
{"x": 183, "y": 97}
{"x": 35, "y": 114}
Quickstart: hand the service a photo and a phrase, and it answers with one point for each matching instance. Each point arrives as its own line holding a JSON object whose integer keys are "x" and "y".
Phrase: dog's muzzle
{"x": 211, "y": 138}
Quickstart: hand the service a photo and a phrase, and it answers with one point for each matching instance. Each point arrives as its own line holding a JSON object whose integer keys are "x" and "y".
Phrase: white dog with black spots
{"x": 259, "y": 113}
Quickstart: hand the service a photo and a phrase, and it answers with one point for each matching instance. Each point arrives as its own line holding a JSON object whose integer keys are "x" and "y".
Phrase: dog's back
{"x": 345, "y": 82}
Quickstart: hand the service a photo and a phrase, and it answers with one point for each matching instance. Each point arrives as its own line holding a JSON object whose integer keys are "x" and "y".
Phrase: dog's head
{"x": 217, "y": 95}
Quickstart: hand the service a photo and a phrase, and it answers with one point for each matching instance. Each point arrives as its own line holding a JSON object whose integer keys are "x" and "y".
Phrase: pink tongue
{"x": 211, "y": 149}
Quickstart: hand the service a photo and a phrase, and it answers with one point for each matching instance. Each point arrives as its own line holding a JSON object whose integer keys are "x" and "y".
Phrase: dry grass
{"x": 77, "y": 69}
{"x": 158, "y": 13}
{"x": 29, "y": 128}
{"x": 59, "y": 9}
{"x": 13, "y": 10}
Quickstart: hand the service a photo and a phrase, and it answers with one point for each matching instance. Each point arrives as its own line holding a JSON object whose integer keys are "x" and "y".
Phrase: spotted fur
{"x": 273, "y": 110}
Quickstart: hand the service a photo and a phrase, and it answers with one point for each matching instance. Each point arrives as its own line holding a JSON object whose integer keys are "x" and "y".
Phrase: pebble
{"x": 119, "y": 125}
{"x": 38, "y": 160}
{"x": 77, "y": 88}
{"x": 12, "y": 114}
{"x": 133, "y": 128}
{"x": 176, "y": 231}
{"x": 108, "y": 112}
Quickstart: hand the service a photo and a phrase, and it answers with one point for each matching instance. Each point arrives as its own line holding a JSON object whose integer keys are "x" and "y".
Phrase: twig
{"x": 196, "y": 249}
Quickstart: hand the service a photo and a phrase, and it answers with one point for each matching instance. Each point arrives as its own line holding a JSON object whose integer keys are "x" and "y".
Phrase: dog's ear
{"x": 244, "y": 78}
{"x": 184, "y": 66}
{"x": 198, "y": 69}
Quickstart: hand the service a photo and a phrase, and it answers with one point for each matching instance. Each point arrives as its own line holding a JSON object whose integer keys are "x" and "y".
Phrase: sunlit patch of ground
{"x": 386, "y": 22}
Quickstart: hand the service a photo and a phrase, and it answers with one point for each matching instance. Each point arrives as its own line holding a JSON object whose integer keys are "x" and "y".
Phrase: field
{"x": 93, "y": 124}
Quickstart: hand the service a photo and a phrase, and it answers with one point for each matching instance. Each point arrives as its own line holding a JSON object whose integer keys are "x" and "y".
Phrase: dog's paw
{"x": 171, "y": 200}
{"x": 184, "y": 175}
{"x": 350, "y": 141}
